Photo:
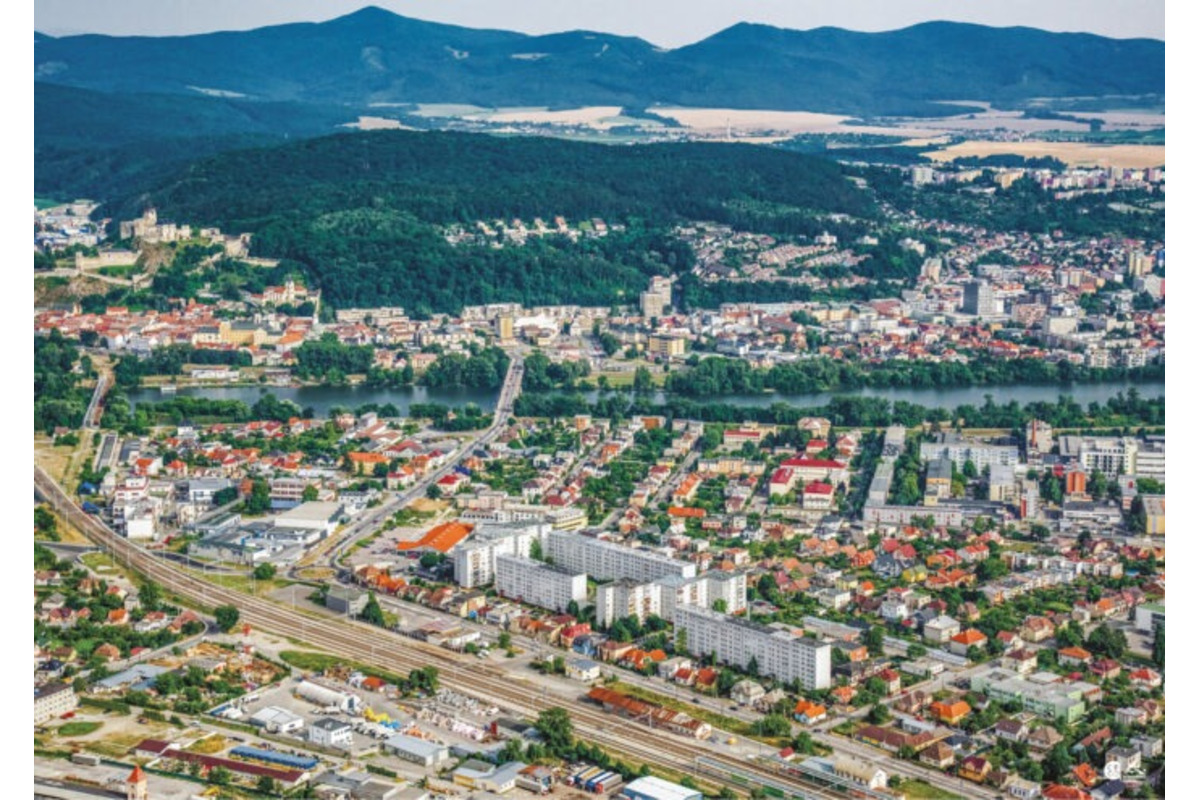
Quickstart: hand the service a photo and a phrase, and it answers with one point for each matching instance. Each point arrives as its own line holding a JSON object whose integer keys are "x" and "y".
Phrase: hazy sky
{"x": 668, "y": 23}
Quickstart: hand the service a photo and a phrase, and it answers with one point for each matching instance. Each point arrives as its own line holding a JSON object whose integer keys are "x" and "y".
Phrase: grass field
{"x": 79, "y": 728}
{"x": 917, "y": 789}
{"x": 247, "y": 583}
{"x": 102, "y": 564}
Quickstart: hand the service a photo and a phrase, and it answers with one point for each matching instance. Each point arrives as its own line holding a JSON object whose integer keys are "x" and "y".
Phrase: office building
{"x": 979, "y": 299}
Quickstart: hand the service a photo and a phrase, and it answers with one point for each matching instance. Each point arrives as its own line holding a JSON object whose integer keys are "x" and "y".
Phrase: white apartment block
{"x": 960, "y": 451}
{"x": 475, "y": 561}
{"x": 625, "y": 598}
{"x": 1152, "y": 460}
{"x": 52, "y": 700}
{"x": 605, "y": 560}
{"x": 779, "y": 650}
{"x": 1111, "y": 456}
{"x": 539, "y": 584}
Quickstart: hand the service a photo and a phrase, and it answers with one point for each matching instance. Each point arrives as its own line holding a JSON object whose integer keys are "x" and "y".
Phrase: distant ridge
{"x": 374, "y": 55}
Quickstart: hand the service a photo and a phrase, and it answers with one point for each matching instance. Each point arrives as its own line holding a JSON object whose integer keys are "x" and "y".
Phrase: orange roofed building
{"x": 440, "y": 538}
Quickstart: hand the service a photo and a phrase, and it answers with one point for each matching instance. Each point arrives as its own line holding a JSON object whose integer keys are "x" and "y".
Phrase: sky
{"x": 667, "y": 23}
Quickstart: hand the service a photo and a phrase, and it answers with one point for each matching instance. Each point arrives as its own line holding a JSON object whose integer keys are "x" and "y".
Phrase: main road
{"x": 370, "y": 521}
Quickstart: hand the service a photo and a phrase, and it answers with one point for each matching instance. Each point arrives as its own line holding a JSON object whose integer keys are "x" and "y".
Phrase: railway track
{"x": 367, "y": 644}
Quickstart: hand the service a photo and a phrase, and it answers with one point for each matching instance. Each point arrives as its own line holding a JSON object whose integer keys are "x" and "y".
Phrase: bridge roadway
{"x": 363, "y": 643}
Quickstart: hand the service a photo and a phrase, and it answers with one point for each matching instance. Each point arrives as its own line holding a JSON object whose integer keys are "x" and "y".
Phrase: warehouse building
{"x": 652, "y": 788}
{"x": 418, "y": 751}
{"x": 274, "y": 719}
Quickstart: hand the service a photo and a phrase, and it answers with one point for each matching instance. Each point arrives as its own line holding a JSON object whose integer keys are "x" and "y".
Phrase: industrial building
{"x": 328, "y": 697}
{"x": 274, "y": 719}
{"x": 418, "y": 751}
{"x": 329, "y": 732}
{"x": 779, "y": 650}
{"x": 652, "y": 788}
{"x": 318, "y": 519}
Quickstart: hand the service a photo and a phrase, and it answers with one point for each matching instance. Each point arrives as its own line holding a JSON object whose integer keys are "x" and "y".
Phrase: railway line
{"x": 361, "y": 642}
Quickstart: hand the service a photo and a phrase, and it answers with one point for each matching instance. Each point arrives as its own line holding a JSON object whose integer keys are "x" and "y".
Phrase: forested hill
{"x": 360, "y": 211}
{"x": 448, "y": 177}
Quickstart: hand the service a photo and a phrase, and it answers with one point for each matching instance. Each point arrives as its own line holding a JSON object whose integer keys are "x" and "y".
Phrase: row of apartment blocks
{"x": 626, "y": 597}
{"x": 779, "y": 651}
{"x": 475, "y": 561}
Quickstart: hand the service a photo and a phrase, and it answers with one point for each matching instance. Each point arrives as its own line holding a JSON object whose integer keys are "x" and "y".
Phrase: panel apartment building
{"x": 475, "y": 561}
{"x": 542, "y": 585}
{"x": 624, "y": 598}
{"x": 961, "y": 450}
{"x": 777, "y": 649}
{"x": 604, "y": 560}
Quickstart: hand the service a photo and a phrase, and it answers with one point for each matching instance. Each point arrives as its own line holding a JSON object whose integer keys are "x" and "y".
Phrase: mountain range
{"x": 374, "y": 56}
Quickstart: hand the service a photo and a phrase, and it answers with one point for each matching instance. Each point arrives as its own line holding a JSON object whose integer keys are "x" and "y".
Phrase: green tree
{"x": 227, "y": 617}
{"x": 264, "y": 572}
{"x": 150, "y": 595}
{"x": 643, "y": 381}
{"x": 259, "y": 500}
{"x": 720, "y": 605}
{"x": 372, "y": 613}
{"x": 1058, "y": 762}
{"x": 225, "y": 496}
{"x": 969, "y": 471}
{"x": 554, "y": 724}
{"x": 773, "y": 725}
{"x": 878, "y": 714}
{"x": 219, "y": 776}
{"x": 266, "y": 785}
{"x": 310, "y": 493}
{"x": 1159, "y": 650}
{"x": 535, "y": 551}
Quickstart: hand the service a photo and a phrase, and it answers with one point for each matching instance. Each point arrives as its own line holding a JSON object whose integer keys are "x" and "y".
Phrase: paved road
{"x": 370, "y": 521}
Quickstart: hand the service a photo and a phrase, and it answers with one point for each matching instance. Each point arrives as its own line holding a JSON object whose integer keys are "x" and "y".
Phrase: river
{"x": 322, "y": 398}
